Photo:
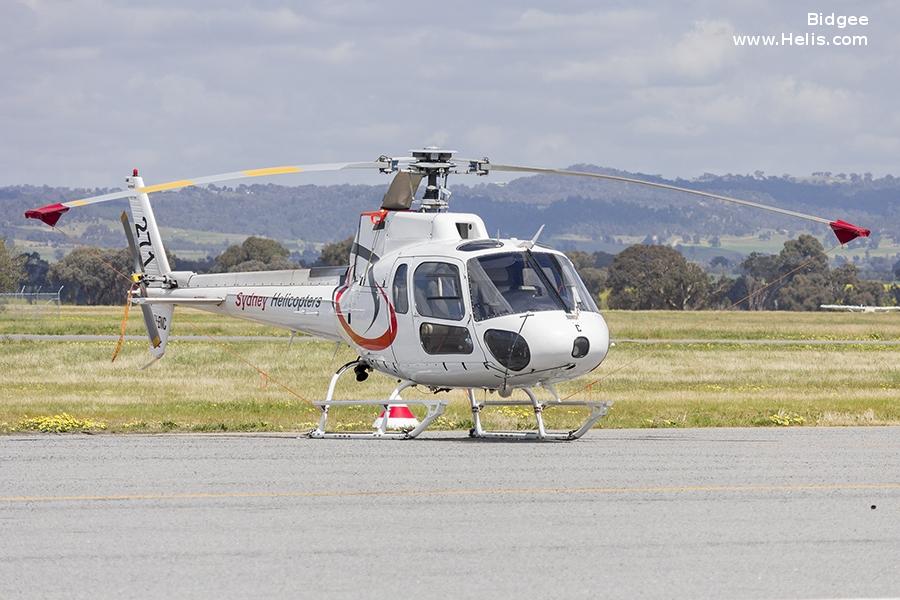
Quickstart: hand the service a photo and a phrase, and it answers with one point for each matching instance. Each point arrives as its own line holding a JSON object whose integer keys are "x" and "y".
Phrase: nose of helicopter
{"x": 547, "y": 341}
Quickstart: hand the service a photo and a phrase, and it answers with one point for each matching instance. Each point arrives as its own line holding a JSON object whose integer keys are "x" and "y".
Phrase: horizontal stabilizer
{"x": 218, "y": 300}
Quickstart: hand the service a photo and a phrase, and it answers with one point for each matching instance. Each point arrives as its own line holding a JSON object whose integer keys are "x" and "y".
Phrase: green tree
{"x": 719, "y": 297}
{"x": 867, "y": 293}
{"x": 847, "y": 288}
{"x": 336, "y": 254}
{"x": 265, "y": 250}
{"x": 767, "y": 282}
{"x": 602, "y": 259}
{"x": 803, "y": 281}
{"x": 580, "y": 259}
{"x": 656, "y": 277}
{"x": 10, "y": 269}
{"x": 34, "y": 271}
{"x": 595, "y": 280}
{"x": 254, "y": 254}
{"x": 806, "y": 291}
{"x": 895, "y": 294}
{"x": 719, "y": 262}
{"x": 803, "y": 255}
{"x": 92, "y": 275}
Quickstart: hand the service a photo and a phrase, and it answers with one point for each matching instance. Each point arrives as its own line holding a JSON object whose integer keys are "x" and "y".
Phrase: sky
{"x": 92, "y": 88}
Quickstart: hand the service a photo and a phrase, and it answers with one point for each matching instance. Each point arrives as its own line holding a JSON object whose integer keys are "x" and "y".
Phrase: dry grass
{"x": 105, "y": 320}
{"x": 753, "y": 325}
{"x": 201, "y": 386}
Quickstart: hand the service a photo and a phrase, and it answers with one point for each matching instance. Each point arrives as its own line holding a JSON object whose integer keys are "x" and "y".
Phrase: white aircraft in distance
{"x": 429, "y": 298}
{"x": 858, "y": 308}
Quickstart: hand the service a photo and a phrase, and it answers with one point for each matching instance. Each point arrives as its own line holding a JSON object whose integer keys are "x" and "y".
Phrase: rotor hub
{"x": 435, "y": 165}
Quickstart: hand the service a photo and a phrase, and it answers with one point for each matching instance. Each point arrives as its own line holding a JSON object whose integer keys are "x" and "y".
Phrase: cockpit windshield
{"x": 518, "y": 282}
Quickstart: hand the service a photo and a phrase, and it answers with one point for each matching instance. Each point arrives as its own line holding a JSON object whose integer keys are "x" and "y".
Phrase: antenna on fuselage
{"x": 529, "y": 244}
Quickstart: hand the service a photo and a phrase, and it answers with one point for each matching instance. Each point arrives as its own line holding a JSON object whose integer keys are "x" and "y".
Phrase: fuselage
{"x": 429, "y": 298}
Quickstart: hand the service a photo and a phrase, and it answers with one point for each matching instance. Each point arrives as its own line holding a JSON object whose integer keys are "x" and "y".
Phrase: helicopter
{"x": 428, "y": 298}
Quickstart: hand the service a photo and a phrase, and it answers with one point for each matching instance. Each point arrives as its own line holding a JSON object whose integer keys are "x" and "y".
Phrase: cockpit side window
{"x": 437, "y": 291}
{"x": 400, "y": 291}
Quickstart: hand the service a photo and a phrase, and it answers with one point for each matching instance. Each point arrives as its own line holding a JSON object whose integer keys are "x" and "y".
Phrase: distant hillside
{"x": 577, "y": 213}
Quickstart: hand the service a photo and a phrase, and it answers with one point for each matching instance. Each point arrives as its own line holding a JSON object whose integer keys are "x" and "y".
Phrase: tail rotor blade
{"x": 132, "y": 246}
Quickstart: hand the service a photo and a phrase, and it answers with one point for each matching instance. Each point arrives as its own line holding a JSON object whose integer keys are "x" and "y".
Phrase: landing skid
{"x": 435, "y": 409}
{"x": 598, "y": 411}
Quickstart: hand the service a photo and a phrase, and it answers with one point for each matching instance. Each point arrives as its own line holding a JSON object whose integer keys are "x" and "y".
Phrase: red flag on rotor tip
{"x": 49, "y": 214}
{"x": 847, "y": 232}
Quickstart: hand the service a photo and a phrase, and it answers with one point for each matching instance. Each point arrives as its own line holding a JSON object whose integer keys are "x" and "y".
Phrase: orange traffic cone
{"x": 399, "y": 417}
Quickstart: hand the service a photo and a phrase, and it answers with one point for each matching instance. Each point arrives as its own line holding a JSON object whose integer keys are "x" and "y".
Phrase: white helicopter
{"x": 429, "y": 298}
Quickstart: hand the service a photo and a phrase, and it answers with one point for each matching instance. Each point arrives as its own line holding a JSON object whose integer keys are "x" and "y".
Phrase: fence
{"x": 35, "y": 303}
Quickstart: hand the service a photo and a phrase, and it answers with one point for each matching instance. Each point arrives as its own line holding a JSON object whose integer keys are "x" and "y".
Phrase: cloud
{"x": 612, "y": 70}
{"x": 873, "y": 143}
{"x": 96, "y": 86}
{"x": 669, "y": 127}
{"x": 704, "y": 50}
{"x": 534, "y": 19}
{"x": 796, "y": 100}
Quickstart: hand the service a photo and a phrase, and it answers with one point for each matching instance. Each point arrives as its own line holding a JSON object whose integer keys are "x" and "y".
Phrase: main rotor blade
{"x": 844, "y": 231}
{"x": 51, "y": 213}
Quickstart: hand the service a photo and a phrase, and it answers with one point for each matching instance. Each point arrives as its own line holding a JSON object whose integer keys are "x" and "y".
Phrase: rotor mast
{"x": 435, "y": 164}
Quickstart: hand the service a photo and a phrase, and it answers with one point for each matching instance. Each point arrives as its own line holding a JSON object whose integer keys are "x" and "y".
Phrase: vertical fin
{"x": 149, "y": 261}
{"x": 146, "y": 232}
{"x": 161, "y": 316}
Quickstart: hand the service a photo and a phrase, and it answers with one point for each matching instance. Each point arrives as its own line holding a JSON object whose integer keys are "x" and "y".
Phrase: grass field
{"x": 203, "y": 386}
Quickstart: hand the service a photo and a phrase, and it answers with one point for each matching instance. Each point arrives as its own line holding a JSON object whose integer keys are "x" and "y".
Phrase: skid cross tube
{"x": 597, "y": 411}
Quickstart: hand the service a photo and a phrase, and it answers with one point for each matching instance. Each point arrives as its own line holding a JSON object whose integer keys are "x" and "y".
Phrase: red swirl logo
{"x": 377, "y": 343}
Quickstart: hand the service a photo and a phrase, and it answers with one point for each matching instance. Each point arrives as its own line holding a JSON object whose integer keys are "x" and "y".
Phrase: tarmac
{"x": 680, "y": 513}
